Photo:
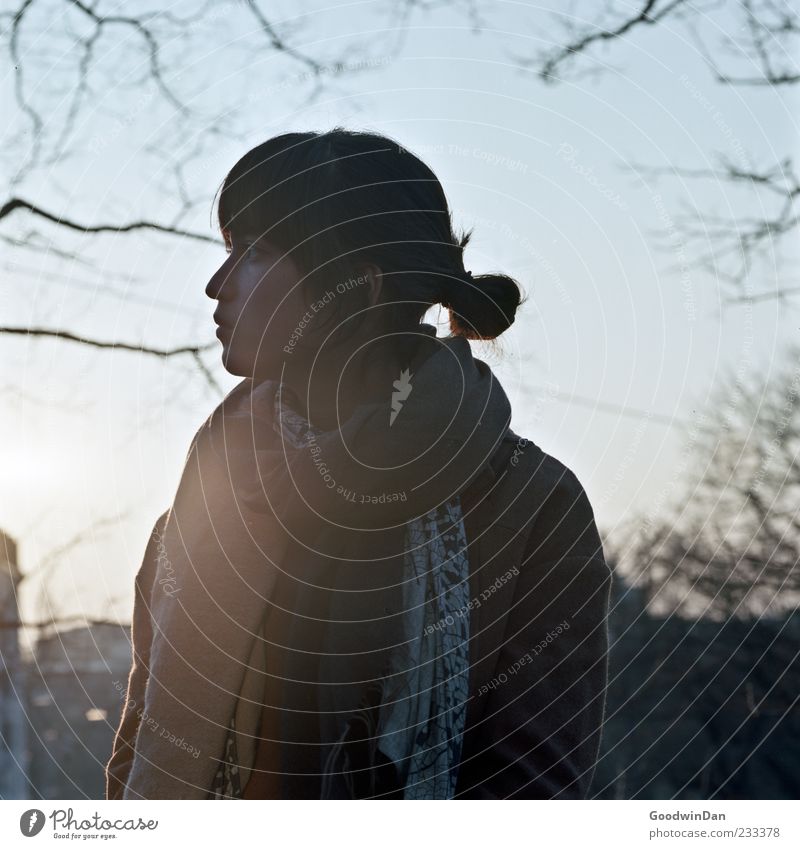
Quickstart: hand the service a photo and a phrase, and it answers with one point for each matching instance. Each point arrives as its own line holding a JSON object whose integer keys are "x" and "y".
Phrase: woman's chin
{"x": 269, "y": 365}
{"x": 235, "y": 364}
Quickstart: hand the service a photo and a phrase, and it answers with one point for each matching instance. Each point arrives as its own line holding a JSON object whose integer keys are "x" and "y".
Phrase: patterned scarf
{"x": 419, "y": 725}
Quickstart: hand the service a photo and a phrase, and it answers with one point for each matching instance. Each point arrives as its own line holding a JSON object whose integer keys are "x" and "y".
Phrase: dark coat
{"x": 538, "y": 622}
{"x": 539, "y": 637}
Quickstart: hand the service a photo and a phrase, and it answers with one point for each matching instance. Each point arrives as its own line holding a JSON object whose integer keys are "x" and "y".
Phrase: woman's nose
{"x": 214, "y": 286}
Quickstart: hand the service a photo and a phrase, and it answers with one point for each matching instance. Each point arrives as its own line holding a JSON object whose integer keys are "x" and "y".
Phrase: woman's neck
{"x": 327, "y": 392}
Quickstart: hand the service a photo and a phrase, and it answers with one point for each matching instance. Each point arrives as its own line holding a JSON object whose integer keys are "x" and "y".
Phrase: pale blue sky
{"x": 537, "y": 170}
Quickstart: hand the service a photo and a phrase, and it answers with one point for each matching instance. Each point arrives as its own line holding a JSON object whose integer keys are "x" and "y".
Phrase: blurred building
{"x": 14, "y": 755}
{"x": 698, "y": 708}
{"x": 77, "y": 684}
{"x": 60, "y": 705}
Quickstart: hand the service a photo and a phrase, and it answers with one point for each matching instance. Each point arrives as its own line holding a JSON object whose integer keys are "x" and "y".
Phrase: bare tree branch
{"x": 19, "y": 203}
{"x": 276, "y": 41}
{"x": 149, "y": 39}
{"x": 768, "y": 26}
{"x": 550, "y": 63}
{"x": 191, "y": 350}
{"x": 19, "y": 92}
{"x": 742, "y": 239}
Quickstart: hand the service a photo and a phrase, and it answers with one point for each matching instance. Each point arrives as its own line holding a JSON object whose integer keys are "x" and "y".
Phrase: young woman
{"x": 367, "y": 585}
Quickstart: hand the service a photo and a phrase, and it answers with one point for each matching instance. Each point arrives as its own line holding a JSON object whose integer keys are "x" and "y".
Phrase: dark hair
{"x": 336, "y": 199}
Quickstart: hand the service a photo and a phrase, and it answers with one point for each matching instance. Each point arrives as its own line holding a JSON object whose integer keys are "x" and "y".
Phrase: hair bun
{"x": 481, "y": 307}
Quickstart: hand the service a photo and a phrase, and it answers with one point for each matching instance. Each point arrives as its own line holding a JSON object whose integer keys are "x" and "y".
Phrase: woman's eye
{"x": 245, "y": 250}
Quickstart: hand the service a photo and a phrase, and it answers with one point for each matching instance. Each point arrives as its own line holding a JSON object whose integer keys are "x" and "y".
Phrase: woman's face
{"x": 260, "y": 307}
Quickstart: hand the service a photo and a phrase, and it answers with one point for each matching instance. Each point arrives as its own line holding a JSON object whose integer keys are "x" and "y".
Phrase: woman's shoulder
{"x": 539, "y": 491}
{"x": 543, "y": 477}
{"x": 526, "y": 452}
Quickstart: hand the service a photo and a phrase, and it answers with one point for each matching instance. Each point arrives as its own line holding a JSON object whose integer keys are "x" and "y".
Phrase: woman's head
{"x": 334, "y": 236}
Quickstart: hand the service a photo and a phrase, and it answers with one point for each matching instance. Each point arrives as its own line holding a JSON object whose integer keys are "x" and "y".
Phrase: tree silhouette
{"x": 730, "y": 544}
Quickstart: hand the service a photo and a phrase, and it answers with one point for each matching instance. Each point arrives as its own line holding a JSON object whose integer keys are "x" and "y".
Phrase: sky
{"x": 93, "y": 441}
